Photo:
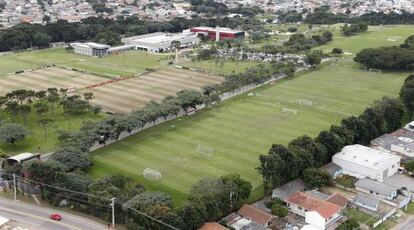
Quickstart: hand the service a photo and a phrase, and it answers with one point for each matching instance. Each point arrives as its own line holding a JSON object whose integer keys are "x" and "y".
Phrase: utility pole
{"x": 113, "y": 211}
{"x": 14, "y": 187}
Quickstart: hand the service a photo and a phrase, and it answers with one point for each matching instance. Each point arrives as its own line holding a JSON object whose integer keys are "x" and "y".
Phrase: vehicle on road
{"x": 56, "y": 217}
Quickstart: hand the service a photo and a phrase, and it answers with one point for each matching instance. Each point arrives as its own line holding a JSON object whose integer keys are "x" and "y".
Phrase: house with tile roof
{"x": 252, "y": 213}
{"x": 317, "y": 212}
{"x": 212, "y": 226}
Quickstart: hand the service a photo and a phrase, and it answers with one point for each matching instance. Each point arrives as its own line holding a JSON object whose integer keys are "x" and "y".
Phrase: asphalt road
{"x": 408, "y": 224}
{"x": 38, "y": 217}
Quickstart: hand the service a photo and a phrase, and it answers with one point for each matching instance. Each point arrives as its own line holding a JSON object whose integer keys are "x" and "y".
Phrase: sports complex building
{"x": 218, "y": 33}
{"x": 90, "y": 49}
{"x": 161, "y": 42}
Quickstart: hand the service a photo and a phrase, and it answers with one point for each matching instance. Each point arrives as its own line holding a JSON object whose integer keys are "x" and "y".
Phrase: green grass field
{"x": 35, "y": 142}
{"x": 242, "y": 128}
{"x": 228, "y": 67}
{"x": 127, "y": 63}
{"x": 375, "y": 37}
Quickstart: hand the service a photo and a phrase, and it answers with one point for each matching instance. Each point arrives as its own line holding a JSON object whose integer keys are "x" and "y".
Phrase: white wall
{"x": 313, "y": 218}
{"x": 360, "y": 171}
{"x": 296, "y": 209}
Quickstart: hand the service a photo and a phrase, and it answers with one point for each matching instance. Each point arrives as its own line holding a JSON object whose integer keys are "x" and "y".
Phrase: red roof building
{"x": 212, "y": 226}
{"x": 218, "y": 33}
{"x": 317, "y": 212}
{"x": 256, "y": 215}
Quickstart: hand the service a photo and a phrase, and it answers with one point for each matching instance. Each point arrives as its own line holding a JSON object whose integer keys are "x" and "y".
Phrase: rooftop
{"x": 325, "y": 208}
{"x": 375, "y": 186}
{"x": 367, "y": 200}
{"x": 255, "y": 214}
{"x": 365, "y": 156}
{"x": 214, "y": 29}
{"x": 331, "y": 168}
{"x": 289, "y": 188}
{"x": 338, "y": 199}
{"x": 213, "y": 226}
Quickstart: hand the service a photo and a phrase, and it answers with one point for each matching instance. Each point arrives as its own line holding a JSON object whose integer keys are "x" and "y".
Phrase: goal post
{"x": 152, "y": 174}
{"x": 205, "y": 151}
{"x": 289, "y": 111}
{"x": 305, "y": 102}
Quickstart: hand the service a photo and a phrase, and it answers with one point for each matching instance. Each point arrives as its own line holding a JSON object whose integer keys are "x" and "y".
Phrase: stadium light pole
{"x": 113, "y": 211}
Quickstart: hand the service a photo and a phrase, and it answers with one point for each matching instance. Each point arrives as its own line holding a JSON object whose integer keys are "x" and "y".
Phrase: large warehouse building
{"x": 161, "y": 42}
{"x": 218, "y": 33}
{"x": 364, "y": 162}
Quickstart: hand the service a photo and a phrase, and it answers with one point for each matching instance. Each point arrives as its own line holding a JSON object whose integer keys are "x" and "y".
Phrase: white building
{"x": 90, "y": 49}
{"x": 362, "y": 162}
{"x": 161, "y": 42}
{"x": 318, "y": 213}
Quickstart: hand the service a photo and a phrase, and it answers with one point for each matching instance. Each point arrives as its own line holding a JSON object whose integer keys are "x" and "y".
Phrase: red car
{"x": 56, "y": 217}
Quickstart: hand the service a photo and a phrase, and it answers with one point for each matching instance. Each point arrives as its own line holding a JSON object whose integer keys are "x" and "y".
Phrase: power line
{"x": 90, "y": 195}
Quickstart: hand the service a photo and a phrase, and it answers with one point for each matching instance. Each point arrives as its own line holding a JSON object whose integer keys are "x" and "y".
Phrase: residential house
{"x": 258, "y": 216}
{"x": 400, "y": 142}
{"x": 332, "y": 169}
{"x": 364, "y": 162}
{"x": 288, "y": 189}
{"x": 378, "y": 189}
{"x": 212, "y": 226}
{"x": 367, "y": 201}
{"x": 318, "y": 213}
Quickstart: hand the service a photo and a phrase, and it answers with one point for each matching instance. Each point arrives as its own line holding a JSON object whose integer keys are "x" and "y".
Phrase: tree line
{"x": 389, "y": 57}
{"x": 105, "y": 30}
{"x": 303, "y": 156}
{"x": 323, "y": 15}
{"x": 349, "y": 30}
{"x": 42, "y": 103}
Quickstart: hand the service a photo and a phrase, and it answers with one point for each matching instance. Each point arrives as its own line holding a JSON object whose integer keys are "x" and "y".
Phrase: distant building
{"x": 317, "y": 212}
{"x": 364, "y": 162}
{"x": 161, "y": 42}
{"x": 218, "y": 33}
{"x": 90, "y": 49}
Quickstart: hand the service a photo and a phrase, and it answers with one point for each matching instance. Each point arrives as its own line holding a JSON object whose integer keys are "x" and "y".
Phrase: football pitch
{"x": 238, "y": 130}
{"x": 127, "y": 63}
{"x": 377, "y": 36}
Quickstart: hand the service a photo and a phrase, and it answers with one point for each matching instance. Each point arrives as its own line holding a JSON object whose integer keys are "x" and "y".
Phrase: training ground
{"x": 242, "y": 128}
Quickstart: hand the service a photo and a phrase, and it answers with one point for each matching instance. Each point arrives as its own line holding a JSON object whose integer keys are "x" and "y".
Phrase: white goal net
{"x": 152, "y": 174}
{"x": 289, "y": 111}
{"x": 305, "y": 102}
{"x": 205, "y": 151}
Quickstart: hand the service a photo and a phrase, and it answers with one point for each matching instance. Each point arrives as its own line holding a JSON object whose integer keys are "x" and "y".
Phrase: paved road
{"x": 38, "y": 217}
{"x": 408, "y": 224}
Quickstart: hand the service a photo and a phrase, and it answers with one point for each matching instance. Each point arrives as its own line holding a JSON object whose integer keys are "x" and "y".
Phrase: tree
{"x": 46, "y": 19}
{"x": 242, "y": 186}
{"x": 409, "y": 166}
{"x": 145, "y": 199}
{"x": 279, "y": 210}
{"x": 41, "y": 108}
{"x": 72, "y": 158}
{"x": 193, "y": 213}
{"x": 52, "y": 97}
{"x": 393, "y": 112}
{"x": 407, "y": 96}
{"x": 44, "y": 123}
{"x": 316, "y": 177}
{"x": 11, "y": 133}
{"x": 346, "y": 135}
{"x": 175, "y": 45}
{"x": 292, "y": 29}
{"x": 337, "y": 51}
{"x": 316, "y": 152}
{"x": 88, "y": 96}
{"x": 313, "y": 59}
{"x": 190, "y": 98}
{"x": 25, "y": 110}
{"x": 350, "y": 224}
{"x": 12, "y": 107}
{"x": 332, "y": 142}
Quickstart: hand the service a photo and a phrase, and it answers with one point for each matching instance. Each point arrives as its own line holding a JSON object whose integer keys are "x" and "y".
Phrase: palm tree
{"x": 175, "y": 45}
